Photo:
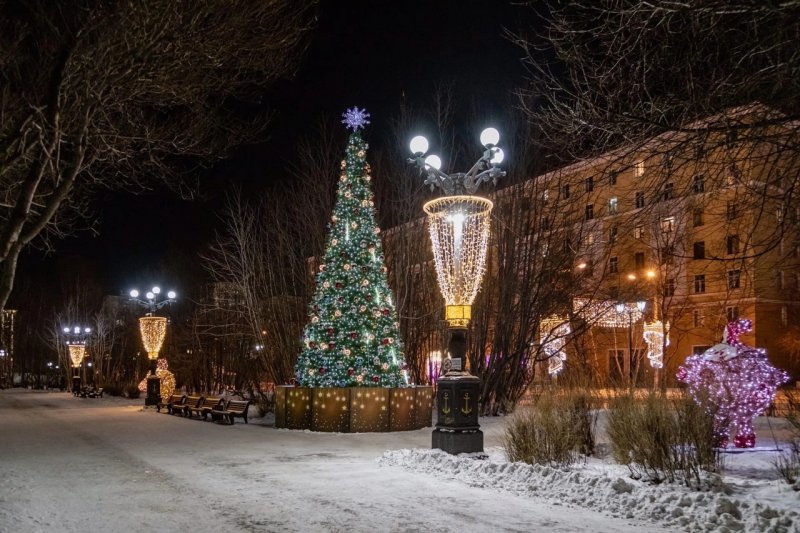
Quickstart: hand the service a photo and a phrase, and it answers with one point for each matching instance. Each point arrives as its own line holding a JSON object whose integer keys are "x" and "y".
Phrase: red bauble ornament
{"x": 338, "y": 285}
{"x": 312, "y": 344}
{"x": 321, "y": 370}
{"x": 353, "y": 335}
{"x": 350, "y": 371}
{"x": 331, "y": 345}
{"x": 368, "y": 297}
{"x": 331, "y": 331}
{"x": 385, "y": 341}
{"x": 385, "y": 312}
{"x": 376, "y": 379}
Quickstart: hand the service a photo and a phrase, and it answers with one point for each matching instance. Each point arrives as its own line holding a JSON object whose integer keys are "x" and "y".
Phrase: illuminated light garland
{"x": 167, "y": 379}
{"x": 459, "y": 230}
{"x": 76, "y": 352}
{"x": 603, "y": 313}
{"x": 654, "y": 333}
{"x": 553, "y": 332}
{"x": 734, "y": 382}
{"x": 153, "y": 330}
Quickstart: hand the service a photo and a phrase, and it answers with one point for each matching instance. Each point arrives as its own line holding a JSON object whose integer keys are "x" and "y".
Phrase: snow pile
{"x": 606, "y": 488}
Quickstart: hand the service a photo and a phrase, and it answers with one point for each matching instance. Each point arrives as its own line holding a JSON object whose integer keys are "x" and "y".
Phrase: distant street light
{"x": 76, "y": 337}
{"x": 459, "y": 229}
{"x": 153, "y": 329}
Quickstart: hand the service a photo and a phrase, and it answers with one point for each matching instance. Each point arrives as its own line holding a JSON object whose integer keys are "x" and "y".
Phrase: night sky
{"x": 366, "y": 53}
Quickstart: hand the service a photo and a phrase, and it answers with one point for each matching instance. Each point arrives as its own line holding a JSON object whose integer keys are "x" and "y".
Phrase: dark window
{"x": 612, "y": 236}
{"x": 669, "y": 191}
{"x": 613, "y": 292}
{"x": 667, "y": 255}
{"x": 589, "y": 212}
{"x": 697, "y": 218}
{"x": 700, "y": 284}
{"x": 545, "y": 223}
{"x": 732, "y": 312}
{"x": 666, "y": 162}
{"x": 733, "y": 279}
{"x": 669, "y": 287}
{"x": 613, "y": 265}
{"x": 567, "y": 246}
{"x": 589, "y": 184}
{"x": 731, "y": 210}
{"x": 639, "y": 199}
{"x": 732, "y": 244}
{"x": 699, "y": 250}
{"x": 730, "y": 137}
{"x": 698, "y": 184}
{"x": 612, "y": 178}
{"x": 565, "y": 191}
{"x": 638, "y": 260}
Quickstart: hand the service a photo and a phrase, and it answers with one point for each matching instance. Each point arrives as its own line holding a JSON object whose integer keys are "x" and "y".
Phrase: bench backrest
{"x": 211, "y": 402}
{"x": 193, "y": 401}
{"x": 176, "y": 398}
{"x": 237, "y": 406}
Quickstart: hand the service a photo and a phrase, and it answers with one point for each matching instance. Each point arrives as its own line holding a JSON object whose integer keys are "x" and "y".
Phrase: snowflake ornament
{"x": 355, "y": 118}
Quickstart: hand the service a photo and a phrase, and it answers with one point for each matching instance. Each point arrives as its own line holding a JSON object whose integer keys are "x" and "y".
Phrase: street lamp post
{"x": 459, "y": 229}
{"x": 153, "y": 329}
{"x": 631, "y": 310}
{"x": 76, "y": 337}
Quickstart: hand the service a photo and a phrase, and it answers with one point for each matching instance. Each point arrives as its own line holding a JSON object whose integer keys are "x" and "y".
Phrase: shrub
{"x": 556, "y": 430}
{"x": 132, "y": 391}
{"x": 663, "y": 440}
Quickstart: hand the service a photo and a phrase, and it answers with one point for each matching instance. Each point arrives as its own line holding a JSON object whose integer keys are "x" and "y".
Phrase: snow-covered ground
{"x": 69, "y": 464}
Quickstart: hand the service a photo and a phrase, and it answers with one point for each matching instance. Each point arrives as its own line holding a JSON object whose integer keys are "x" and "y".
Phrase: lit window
{"x": 638, "y": 232}
{"x": 639, "y": 169}
{"x": 613, "y": 265}
{"x": 613, "y": 202}
{"x": 700, "y": 284}
{"x": 668, "y": 224}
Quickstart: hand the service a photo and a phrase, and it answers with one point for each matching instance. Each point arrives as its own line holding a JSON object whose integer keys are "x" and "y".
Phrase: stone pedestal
{"x": 76, "y": 385}
{"x": 457, "y": 429}
{"x": 153, "y": 390}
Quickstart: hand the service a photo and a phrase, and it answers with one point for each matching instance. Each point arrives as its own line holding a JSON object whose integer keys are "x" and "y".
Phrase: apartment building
{"x": 700, "y": 225}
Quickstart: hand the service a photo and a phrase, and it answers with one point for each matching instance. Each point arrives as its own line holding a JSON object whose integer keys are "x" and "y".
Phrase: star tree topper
{"x": 355, "y": 118}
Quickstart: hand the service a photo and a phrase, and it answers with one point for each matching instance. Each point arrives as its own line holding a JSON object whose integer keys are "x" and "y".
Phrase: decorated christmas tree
{"x": 352, "y": 337}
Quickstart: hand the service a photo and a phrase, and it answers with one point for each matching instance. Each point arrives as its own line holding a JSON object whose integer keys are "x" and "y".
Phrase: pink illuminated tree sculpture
{"x": 734, "y": 382}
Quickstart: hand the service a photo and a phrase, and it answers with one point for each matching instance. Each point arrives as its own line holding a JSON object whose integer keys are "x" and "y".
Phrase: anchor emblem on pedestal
{"x": 466, "y": 409}
{"x": 446, "y": 407}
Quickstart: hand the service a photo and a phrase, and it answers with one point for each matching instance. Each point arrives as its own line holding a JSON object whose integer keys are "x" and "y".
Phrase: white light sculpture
{"x": 153, "y": 330}
{"x": 553, "y": 332}
{"x": 654, "y": 335}
{"x": 459, "y": 230}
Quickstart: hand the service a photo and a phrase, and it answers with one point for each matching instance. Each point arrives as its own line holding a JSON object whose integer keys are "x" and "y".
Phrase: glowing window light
{"x": 654, "y": 334}
{"x": 459, "y": 231}
{"x": 434, "y": 366}
{"x": 76, "y": 352}
{"x": 153, "y": 330}
{"x": 553, "y": 332}
{"x": 734, "y": 382}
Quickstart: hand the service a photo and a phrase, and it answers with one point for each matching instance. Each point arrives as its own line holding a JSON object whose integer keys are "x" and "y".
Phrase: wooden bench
{"x": 205, "y": 407}
{"x": 176, "y": 400}
{"x": 233, "y": 409}
{"x": 190, "y": 403}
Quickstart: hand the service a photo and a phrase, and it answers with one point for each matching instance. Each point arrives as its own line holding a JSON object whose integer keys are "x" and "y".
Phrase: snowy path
{"x": 72, "y": 464}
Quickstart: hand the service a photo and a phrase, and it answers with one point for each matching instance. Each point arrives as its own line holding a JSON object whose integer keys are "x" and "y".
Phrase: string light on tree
{"x": 167, "y": 379}
{"x": 654, "y": 336}
{"x": 734, "y": 382}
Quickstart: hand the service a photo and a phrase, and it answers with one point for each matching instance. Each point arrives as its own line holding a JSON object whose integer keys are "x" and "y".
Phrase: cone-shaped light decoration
{"x": 459, "y": 229}
{"x": 153, "y": 330}
{"x": 76, "y": 352}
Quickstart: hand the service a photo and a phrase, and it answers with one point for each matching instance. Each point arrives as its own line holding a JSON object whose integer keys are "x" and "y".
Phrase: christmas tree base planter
{"x": 457, "y": 429}
{"x": 353, "y": 409}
